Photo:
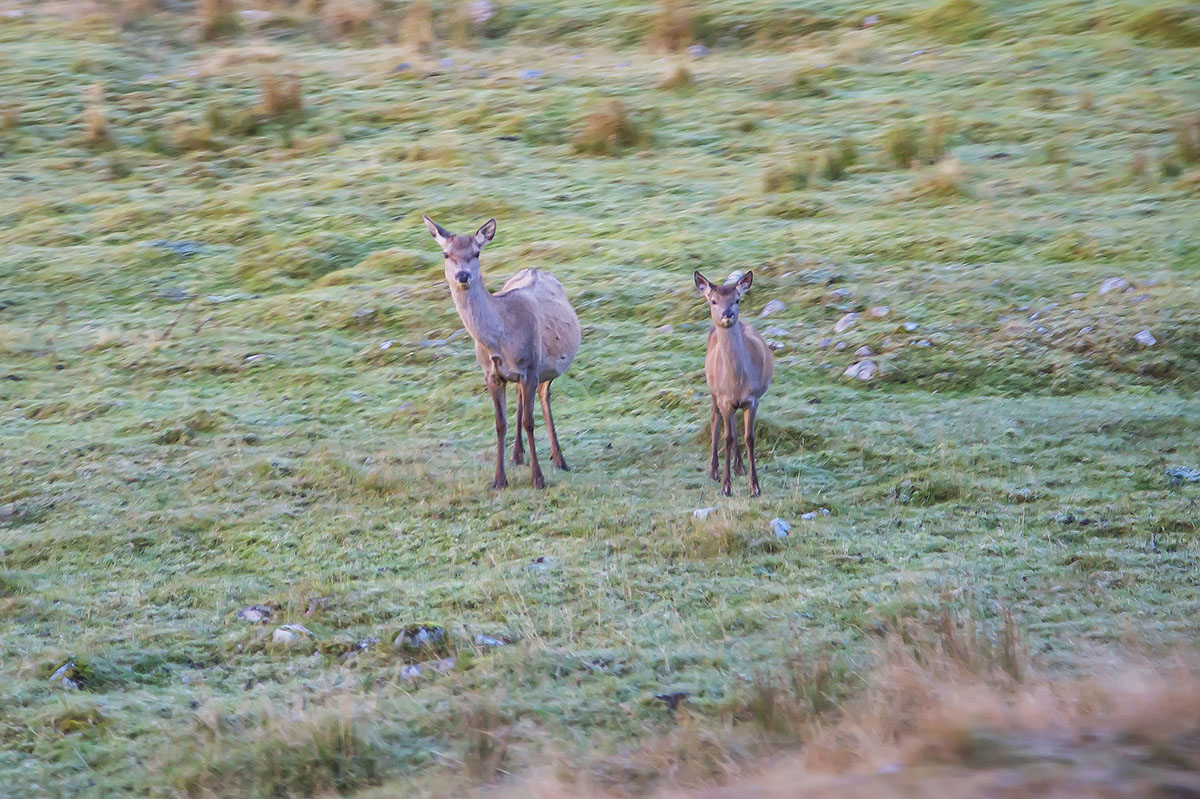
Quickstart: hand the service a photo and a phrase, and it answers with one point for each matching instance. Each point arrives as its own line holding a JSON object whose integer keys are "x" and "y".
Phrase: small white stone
{"x": 925, "y": 343}
{"x": 845, "y": 323}
{"x": 1114, "y": 284}
{"x": 1145, "y": 338}
{"x": 702, "y": 513}
{"x": 879, "y": 311}
{"x": 779, "y": 527}
{"x": 665, "y": 329}
{"x": 863, "y": 352}
{"x": 777, "y": 332}
{"x": 910, "y": 326}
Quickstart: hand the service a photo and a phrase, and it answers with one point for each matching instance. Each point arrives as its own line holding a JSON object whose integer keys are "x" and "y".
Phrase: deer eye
{"x": 445, "y": 254}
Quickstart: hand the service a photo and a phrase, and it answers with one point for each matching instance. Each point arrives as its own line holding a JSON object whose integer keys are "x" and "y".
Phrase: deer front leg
{"x": 499, "y": 403}
{"x": 749, "y": 415}
{"x": 727, "y": 483}
{"x": 739, "y": 468}
{"x": 715, "y": 423}
{"x": 548, "y": 417}
{"x": 518, "y": 455}
{"x": 526, "y": 389}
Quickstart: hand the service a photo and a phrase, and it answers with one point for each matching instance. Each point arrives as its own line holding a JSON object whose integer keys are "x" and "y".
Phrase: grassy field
{"x": 231, "y": 374}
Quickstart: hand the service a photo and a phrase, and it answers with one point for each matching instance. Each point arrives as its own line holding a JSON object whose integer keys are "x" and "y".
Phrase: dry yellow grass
{"x": 347, "y": 17}
{"x": 671, "y": 29}
{"x": 416, "y": 29}
{"x": 95, "y": 119}
{"x": 280, "y": 94}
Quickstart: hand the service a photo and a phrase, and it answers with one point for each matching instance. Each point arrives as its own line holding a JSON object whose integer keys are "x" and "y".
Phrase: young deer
{"x": 527, "y": 334}
{"x": 738, "y": 367}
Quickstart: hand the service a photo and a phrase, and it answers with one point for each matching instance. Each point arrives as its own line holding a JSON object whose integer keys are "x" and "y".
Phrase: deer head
{"x": 723, "y": 300}
{"x": 461, "y": 252}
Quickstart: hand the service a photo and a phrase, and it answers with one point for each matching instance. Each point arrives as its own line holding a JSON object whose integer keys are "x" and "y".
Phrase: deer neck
{"x": 477, "y": 309}
{"x": 731, "y": 343}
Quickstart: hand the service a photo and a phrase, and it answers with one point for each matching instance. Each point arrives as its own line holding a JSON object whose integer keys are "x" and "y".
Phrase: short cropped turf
{"x": 231, "y": 373}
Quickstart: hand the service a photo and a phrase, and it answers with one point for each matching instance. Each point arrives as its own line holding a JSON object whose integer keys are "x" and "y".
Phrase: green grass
{"x": 264, "y": 411}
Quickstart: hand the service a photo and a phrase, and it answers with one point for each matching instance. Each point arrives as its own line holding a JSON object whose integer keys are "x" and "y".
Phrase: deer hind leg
{"x": 730, "y": 444}
{"x": 715, "y": 423}
{"x": 526, "y": 389}
{"x": 749, "y": 414}
{"x": 499, "y": 402}
{"x": 548, "y": 417}
{"x": 518, "y": 452}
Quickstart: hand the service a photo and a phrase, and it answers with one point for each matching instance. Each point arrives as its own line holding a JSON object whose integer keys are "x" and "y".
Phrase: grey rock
{"x": 665, "y": 329}
{"x": 1178, "y": 475}
{"x": 488, "y": 641}
{"x": 291, "y": 633}
{"x": 702, "y": 513}
{"x": 531, "y": 74}
{"x": 255, "y": 614}
{"x": 420, "y": 636}
{"x": 773, "y": 307}
{"x": 879, "y": 311}
{"x": 846, "y": 322}
{"x": 1114, "y": 284}
{"x": 841, "y": 345}
{"x": 824, "y": 343}
{"x": 863, "y": 370}
{"x": 925, "y": 343}
{"x": 863, "y": 352}
{"x": 697, "y": 51}
{"x": 1145, "y": 338}
{"x": 777, "y": 332}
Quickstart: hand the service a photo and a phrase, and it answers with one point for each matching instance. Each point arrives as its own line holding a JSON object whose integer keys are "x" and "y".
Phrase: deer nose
{"x": 729, "y": 312}
{"x": 463, "y": 278}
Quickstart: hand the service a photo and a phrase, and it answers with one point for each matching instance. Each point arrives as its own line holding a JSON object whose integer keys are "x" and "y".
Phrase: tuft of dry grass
{"x": 1139, "y": 166}
{"x": 10, "y": 118}
{"x": 947, "y": 178}
{"x": 486, "y": 733}
{"x": 347, "y": 17}
{"x": 279, "y": 94}
{"x": 679, "y": 78}
{"x": 787, "y": 177}
{"x": 95, "y": 118}
{"x": 216, "y": 18}
{"x": 416, "y": 28}
{"x": 901, "y": 144}
{"x": 1187, "y": 139}
{"x": 609, "y": 130}
{"x": 671, "y": 29}
{"x": 907, "y": 145}
{"x": 1176, "y": 25}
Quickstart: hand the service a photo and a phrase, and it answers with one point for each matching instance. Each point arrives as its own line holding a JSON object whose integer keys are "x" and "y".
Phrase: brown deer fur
{"x": 738, "y": 368}
{"x": 526, "y": 334}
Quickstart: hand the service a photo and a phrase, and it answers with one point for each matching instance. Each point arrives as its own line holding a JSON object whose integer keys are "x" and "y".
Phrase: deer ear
{"x": 703, "y": 285}
{"x": 743, "y": 285}
{"x": 486, "y": 232}
{"x": 439, "y": 233}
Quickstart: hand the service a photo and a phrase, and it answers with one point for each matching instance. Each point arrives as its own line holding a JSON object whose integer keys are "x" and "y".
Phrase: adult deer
{"x": 738, "y": 368}
{"x": 527, "y": 334}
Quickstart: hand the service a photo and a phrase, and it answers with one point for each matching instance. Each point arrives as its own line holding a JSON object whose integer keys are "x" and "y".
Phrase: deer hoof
{"x": 539, "y": 482}
{"x": 500, "y": 482}
{"x": 727, "y": 490}
{"x": 562, "y": 465}
{"x": 755, "y": 492}
{"x": 716, "y": 478}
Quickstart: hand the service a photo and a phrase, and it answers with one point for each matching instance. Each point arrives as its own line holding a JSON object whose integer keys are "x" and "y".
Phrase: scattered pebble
{"x": 531, "y": 74}
{"x": 863, "y": 352}
{"x": 846, "y": 322}
{"x": 825, "y": 342}
{"x": 775, "y": 346}
{"x": 543, "y": 562}
{"x": 672, "y": 699}
{"x": 925, "y": 343}
{"x": 774, "y": 306}
{"x": 1145, "y": 338}
{"x": 1178, "y": 475}
{"x": 356, "y": 396}
{"x": 1114, "y": 284}
{"x": 480, "y": 11}
{"x": 256, "y": 357}
{"x": 863, "y": 370}
{"x": 812, "y": 514}
{"x": 64, "y": 675}
{"x": 291, "y": 633}
{"x": 879, "y": 311}
{"x": 841, "y": 294}
{"x": 870, "y": 21}
{"x": 255, "y": 614}
{"x": 702, "y": 513}
{"x": 433, "y": 342}
{"x": 386, "y": 345}
{"x": 665, "y": 329}
{"x": 841, "y": 345}
{"x": 420, "y": 636}
{"x": 776, "y": 331}
{"x": 779, "y": 527}
{"x": 488, "y": 641}
{"x": 184, "y": 248}
{"x": 1079, "y": 295}
{"x": 446, "y": 63}
{"x": 403, "y": 65}
{"x": 698, "y": 51}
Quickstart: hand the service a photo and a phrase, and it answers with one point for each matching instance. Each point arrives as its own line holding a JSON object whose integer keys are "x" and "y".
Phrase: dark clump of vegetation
{"x": 786, "y": 177}
{"x": 907, "y": 145}
{"x": 680, "y": 78}
{"x": 217, "y": 18}
{"x": 609, "y": 130}
{"x": 671, "y": 29}
{"x": 280, "y": 94}
{"x": 1187, "y": 139}
{"x": 1176, "y": 25}
{"x": 955, "y": 20}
